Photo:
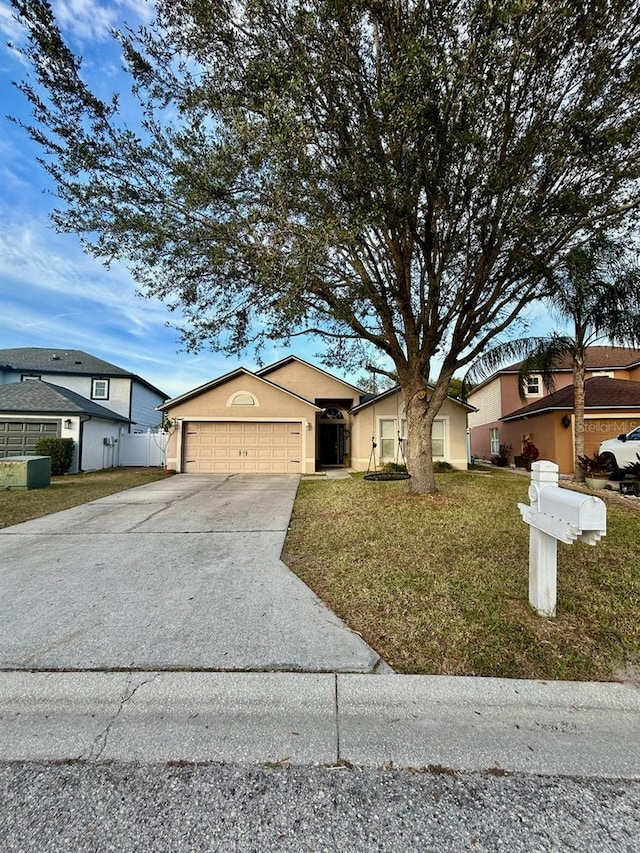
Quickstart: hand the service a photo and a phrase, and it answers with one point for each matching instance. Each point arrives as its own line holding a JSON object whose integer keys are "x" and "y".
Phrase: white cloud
{"x": 8, "y": 24}
{"x": 91, "y": 21}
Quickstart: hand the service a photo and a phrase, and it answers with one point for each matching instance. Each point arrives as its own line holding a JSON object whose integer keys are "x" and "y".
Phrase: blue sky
{"x": 51, "y": 293}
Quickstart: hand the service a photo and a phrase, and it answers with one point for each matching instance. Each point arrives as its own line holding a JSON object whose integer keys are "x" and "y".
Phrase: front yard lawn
{"x": 71, "y": 490}
{"x": 440, "y": 584}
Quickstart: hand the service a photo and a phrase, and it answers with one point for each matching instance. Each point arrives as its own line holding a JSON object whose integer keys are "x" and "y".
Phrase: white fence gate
{"x": 146, "y": 449}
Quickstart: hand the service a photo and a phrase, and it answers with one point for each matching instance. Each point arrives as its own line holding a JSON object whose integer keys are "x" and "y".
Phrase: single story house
{"x": 30, "y": 410}
{"x": 294, "y": 417}
{"x": 612, "y": 406}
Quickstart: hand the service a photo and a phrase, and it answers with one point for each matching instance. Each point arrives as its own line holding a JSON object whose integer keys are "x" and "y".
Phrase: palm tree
{"x": 595, "y": 291}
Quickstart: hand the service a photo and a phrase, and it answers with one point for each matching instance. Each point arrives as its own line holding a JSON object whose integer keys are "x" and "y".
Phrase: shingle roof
{"x": 239, "y": 371}
{"x": 67, "y": 361}
{"x": 600, "y": 392}
{"x": 57, "y": 361}
{"x": 37, "y": 397}
{"x": 596, "y": 358}
{"x": 374, "y": 398}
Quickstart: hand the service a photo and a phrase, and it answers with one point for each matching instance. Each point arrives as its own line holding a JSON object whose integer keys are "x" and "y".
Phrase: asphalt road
{"x": 235, "y": 809}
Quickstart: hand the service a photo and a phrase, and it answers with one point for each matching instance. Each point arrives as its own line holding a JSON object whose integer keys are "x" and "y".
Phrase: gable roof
{"x": 596, "y": 358}
{"x": 65, "y": 361}
{"x": 291, "y": 358}
{"x": 37, "y": 397}
{"x": 600, "y": 392}
{"x": 396, "y": 388}
{"x": 239, "y": 371}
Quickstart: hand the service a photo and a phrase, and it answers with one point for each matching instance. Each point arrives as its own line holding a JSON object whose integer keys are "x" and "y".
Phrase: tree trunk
{"x": 422, "y": 404}
{"x": 578, "y": 411}
{"x": 419, "y": 446}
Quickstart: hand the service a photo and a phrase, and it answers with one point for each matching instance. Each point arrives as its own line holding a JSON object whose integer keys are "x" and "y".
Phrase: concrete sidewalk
{"x": 437, "y": 722}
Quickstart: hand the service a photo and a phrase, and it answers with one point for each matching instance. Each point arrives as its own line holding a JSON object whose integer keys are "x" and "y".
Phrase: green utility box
{"x": 25, "y": 472}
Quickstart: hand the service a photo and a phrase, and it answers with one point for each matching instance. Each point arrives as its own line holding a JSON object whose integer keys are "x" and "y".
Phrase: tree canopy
{"x": 399, "y": 173}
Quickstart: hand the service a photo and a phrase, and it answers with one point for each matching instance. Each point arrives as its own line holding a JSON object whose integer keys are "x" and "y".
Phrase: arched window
{"x": 242, "y": 398}
{"x": 332, "y": 414}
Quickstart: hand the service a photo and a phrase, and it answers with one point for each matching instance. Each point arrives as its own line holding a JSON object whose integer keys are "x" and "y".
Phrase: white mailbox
{"x": 585, "y": 512}
{"x": 553, "y": 515}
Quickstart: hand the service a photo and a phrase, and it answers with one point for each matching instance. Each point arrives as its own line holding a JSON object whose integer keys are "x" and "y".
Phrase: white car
{"x": 624, "y": 449}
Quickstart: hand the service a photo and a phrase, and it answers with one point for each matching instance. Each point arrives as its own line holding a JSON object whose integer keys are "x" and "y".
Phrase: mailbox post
{"x": 556, "y": 514}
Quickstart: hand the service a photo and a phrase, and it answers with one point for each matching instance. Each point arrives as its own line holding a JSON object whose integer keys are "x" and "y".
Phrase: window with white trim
{"x": 533, "y": 386}
{"x": 495, "y": 441}
{"x": 387, "y": 439}
{"x": 99, "y": 389}
{"x": 437, "y": 439}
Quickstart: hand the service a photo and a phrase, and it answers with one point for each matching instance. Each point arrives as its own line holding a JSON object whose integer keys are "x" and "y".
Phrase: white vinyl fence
{"x": 143, "y": 449}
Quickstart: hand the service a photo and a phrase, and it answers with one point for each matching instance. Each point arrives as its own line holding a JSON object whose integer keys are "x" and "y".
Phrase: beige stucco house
{"x": 294, "y": 417}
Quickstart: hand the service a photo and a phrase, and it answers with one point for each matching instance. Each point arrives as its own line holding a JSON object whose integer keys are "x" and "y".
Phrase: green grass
{"x": 71, "y": 490}
{"x": 440, "y": 584}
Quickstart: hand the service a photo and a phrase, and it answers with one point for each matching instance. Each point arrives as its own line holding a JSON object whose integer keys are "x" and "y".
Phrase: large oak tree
{"x": 402, "y": 173}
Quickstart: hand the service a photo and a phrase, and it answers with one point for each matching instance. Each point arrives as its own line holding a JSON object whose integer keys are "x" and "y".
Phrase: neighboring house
{"x": 96, "y": 380}
{"x": 499, "y": 405}
{"x": 30, "y": 410}
{"x": 71, "y": 394}
{"x": 293, "y": 417}
{"x": 612, "y": 406}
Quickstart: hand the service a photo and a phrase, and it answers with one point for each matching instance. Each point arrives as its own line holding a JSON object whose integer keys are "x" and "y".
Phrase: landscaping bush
{"x": 59, "y": 449}
{"x": 440, "y": 467}
{"x": 394, "y": 467}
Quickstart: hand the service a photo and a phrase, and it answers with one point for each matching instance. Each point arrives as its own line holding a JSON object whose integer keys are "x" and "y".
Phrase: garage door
{"x": 19, "y": 438}
{"x": 601, "y": 429}
{"x": 242, "y": 447}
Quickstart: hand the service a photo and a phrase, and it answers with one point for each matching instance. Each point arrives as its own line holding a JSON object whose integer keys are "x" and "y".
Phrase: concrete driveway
{"x": 181, "y": 574}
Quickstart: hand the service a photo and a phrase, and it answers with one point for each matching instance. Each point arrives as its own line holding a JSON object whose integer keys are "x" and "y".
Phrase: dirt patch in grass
{"x": 440, "y": 584}
{"x": 17, "y": 506}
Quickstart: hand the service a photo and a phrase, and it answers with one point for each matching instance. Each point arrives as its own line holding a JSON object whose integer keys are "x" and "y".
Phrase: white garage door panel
{"x": 219, "y": 447}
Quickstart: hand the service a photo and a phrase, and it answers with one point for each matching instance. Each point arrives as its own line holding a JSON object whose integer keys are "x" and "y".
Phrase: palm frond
{"x": 500, "y": 356}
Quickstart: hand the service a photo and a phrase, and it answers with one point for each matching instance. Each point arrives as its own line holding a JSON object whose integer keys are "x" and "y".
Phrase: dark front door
{"x": 331, "y": 444}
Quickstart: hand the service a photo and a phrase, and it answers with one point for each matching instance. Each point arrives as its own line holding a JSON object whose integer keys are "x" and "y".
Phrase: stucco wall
{"x": 271, "y": 403}
{"x": 312, "y": 384}
{"x": 366, "y": 423}
{"x": 555, "y": 442}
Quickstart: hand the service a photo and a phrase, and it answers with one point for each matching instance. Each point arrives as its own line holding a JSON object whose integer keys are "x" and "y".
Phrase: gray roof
{"x": 37, "y": 397}
{"x": 370, "y": 399}
{"x": 66, "y": 361}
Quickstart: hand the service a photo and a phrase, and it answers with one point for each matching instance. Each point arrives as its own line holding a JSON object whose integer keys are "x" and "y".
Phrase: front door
{"x": 331, "y": 450}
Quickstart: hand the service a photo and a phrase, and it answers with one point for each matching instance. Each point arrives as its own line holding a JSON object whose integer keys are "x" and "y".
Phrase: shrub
{"x": 391, "y": 467}
{"x": 599, "y": 463}
{"x": 529, "y": 451}
{"x": 440, "y": 467}
{"x": 502, "y": 457}
{"x": 59, "y": 449}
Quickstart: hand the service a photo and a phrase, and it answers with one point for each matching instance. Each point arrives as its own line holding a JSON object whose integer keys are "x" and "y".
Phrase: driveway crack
{"x": 99, "y": 744}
